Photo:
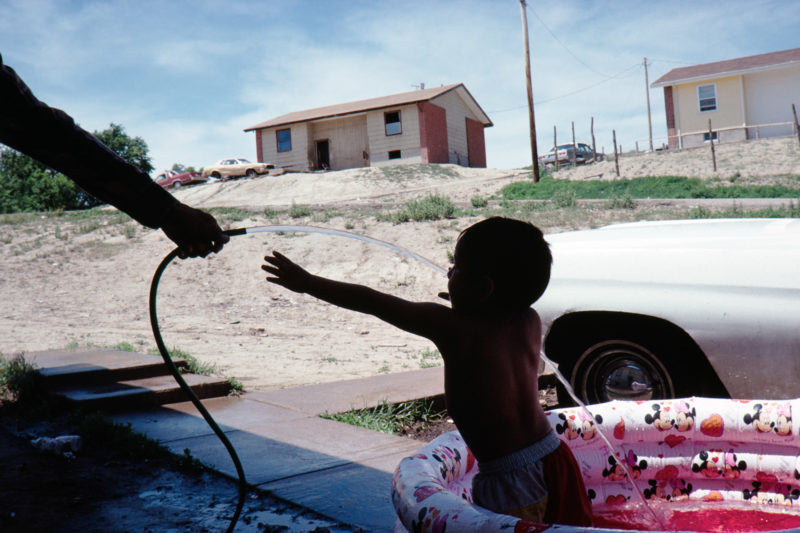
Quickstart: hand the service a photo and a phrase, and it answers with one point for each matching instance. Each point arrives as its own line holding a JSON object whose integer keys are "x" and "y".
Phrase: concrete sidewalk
{"x": 340, "y": 471}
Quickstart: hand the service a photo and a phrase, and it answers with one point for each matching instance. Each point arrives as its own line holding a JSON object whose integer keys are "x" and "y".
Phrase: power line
{"x": 564, "y": 46}
{"x": 571, "y": 92}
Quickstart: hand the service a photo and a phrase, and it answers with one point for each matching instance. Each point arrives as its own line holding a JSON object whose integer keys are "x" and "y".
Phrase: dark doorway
{"x": 323, "y": 155}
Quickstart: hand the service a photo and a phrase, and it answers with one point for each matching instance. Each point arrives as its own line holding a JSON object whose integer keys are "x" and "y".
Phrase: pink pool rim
{"x": 703, "y": 464}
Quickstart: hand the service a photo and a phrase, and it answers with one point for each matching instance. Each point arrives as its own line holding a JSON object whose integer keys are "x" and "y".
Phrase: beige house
{"x": 438, "y": 125}
{"x": 745, "y": 98}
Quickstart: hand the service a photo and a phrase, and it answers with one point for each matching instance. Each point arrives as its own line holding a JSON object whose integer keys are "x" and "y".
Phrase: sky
{"x": 188, "y": 76}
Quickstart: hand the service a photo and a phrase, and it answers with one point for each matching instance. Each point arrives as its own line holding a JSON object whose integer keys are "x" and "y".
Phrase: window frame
{"x": 279, "y": 142}
{"x": 700, "y": 99}
{"x": 395, "y": 154}
{"x": 399, "y": 122}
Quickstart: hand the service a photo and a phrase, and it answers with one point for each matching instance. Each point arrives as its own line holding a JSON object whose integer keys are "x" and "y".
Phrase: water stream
{"x": 411, "y": 255}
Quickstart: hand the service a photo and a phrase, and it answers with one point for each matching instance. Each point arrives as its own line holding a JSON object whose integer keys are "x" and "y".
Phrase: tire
{"x": 177, "y": 185}
{"x": 605, "y": 355}
{"x": 621, "y": 369}
{"x": 215, "y": 175}
{"x": 251, "y": 173}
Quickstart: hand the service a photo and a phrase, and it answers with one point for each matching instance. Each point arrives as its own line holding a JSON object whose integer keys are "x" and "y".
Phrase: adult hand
{"x": 196, "y": 233}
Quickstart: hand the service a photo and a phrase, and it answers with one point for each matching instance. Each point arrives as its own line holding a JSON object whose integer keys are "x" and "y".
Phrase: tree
{"x": 132, "y": 149}
{"x": 27, "y": 185}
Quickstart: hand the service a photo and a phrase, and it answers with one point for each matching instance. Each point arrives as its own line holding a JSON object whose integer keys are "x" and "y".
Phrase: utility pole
{"x": 534, "y": 154}
{"x": 647, "y": 91}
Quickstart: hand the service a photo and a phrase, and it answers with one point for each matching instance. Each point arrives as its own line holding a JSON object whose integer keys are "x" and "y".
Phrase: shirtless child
{"x": 490, "y": 339}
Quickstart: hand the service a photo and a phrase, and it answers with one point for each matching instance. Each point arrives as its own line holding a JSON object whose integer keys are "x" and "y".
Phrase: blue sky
{"x": 188, "y": 76}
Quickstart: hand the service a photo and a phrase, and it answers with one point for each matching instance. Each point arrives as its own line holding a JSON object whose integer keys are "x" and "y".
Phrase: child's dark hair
{"x": 511, "y": 252}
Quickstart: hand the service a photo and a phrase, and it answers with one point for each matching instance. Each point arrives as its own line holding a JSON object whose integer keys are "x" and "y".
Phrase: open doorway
{"x": 323, "y": 155}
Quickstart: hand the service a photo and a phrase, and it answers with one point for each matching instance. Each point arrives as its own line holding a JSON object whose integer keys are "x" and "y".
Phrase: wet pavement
{"x": 339, "y": 471}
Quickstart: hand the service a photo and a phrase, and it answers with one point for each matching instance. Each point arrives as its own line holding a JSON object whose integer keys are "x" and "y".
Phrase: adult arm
{"x": 51, "y": 136}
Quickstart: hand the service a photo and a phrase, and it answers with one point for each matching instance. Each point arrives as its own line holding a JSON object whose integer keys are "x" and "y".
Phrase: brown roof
{"x": 360, "y": 106}
{"x": 729, "y": 67}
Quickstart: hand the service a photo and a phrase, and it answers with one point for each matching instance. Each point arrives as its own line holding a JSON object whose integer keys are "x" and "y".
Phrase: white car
{"x": 235, "y": 168}
{"x": 671, "y": 309}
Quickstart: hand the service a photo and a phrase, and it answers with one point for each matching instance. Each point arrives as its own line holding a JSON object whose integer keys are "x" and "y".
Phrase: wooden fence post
{"x": 711, "y": 140}
{"x": 796, "y": 125}
{"x": 616, "y": 154}
{"x": 555, "y": 147}
{"x": 574, "y": 146}
{"x": 594, "y": 146}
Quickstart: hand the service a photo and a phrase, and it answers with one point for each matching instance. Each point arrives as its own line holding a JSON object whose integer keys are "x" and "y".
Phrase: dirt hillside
{"x": 78, "y": 280}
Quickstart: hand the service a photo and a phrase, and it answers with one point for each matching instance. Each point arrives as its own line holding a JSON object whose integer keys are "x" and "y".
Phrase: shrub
{"x": 479, "y": 201}
{"x": 298, "y": 211}
{"x": 22, "y": 383}
{"x": 432, "y": 207}
{"x": 565, "y": 198}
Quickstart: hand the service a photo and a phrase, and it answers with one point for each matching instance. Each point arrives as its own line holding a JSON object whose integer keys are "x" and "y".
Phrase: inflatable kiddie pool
{"x": 700, "y": 464}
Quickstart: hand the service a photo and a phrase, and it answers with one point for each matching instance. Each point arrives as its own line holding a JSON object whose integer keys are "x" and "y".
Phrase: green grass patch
{"x": 791, "y": 210}
{"x": 391, "y": 418}
{"x": 429, "y": 358}
{"x": 229, "y": 215}
{"x": 193, "y": 365}
{"x": 299, "y": 211}
{"x": 431, "y": 207}
{"x": 647, "y": 187}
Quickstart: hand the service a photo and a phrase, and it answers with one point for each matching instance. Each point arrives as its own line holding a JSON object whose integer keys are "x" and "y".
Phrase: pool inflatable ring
{"x": 705, "y": 451}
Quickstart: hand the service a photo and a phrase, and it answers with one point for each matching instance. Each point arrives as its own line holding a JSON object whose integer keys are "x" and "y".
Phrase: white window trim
{"x": 716, "y": 98}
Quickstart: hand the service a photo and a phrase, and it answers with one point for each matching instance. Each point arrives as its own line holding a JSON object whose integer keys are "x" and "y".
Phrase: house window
{"x": 394, "y": 154}
{"x": 707, "y": 97}
{"x": 284, "y": 140}
{"x": 393, "y": 125}
{"x": 706, "y": 137}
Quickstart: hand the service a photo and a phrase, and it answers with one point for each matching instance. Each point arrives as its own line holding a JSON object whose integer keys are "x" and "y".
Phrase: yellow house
{"x": 437, "y": 125}
{"x": 744, "y": 98}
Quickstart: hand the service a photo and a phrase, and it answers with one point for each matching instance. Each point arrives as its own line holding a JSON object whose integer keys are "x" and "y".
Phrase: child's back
{"x": 491, "y": 383}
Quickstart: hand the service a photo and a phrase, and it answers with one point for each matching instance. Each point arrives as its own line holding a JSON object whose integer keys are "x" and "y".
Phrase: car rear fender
{"x": 563, "y": 341}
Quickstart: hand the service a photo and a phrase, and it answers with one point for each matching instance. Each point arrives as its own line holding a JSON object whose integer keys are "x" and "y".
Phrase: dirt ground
{"x": 75, "y": 281}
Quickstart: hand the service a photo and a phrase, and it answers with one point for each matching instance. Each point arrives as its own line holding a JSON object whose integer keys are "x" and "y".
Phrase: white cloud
{"x": 189, "y": 75}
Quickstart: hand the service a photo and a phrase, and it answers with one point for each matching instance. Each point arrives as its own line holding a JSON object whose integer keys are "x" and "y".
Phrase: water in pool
{"x": 712, "y": 517}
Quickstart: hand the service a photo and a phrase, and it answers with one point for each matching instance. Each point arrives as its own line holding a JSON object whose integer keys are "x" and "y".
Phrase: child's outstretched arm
{"x": 430, "y": 320}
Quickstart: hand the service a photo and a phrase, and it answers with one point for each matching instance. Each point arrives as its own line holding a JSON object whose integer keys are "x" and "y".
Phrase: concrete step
{"x": 63, "y": 368}
{"x": 114, "y": 379}
{"x": 147, "y": 392}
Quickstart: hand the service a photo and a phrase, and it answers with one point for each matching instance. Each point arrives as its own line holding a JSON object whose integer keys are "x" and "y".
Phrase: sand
{"x": 65, "y": 283}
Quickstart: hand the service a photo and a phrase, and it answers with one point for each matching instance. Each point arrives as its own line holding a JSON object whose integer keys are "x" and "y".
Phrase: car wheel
{"x": 176, "y": 185}
{"x": 251, "y": 173}
{"x": 620, "y": 369}
{"x": 215, "y": 175}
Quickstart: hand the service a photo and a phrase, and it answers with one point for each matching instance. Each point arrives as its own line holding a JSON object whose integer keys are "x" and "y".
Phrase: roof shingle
{"x": 729, "y": 67}
{"x": 358, "y": 106}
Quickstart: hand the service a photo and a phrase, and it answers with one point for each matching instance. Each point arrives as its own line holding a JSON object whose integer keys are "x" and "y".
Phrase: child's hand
{"x": 285, "y": 272}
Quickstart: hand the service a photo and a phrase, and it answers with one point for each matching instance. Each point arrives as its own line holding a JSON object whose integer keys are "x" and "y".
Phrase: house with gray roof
{"x": 436, "y": 125}
{"x": 745, "y": 98}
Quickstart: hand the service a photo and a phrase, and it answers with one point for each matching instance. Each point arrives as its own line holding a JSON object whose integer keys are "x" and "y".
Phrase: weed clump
{"x": 432, "y": 207}
{"x": 22, "y": 385}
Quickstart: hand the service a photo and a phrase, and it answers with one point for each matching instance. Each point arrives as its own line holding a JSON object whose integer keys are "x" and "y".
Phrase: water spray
{"x": 242, "y": 483}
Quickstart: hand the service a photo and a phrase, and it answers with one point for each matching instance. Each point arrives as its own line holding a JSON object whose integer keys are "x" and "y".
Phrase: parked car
{"x": 671, "y": 309}
{"x": 563, "y": 152}
{"x": 171, "y": 179}
{"x": 236, "y": 168}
